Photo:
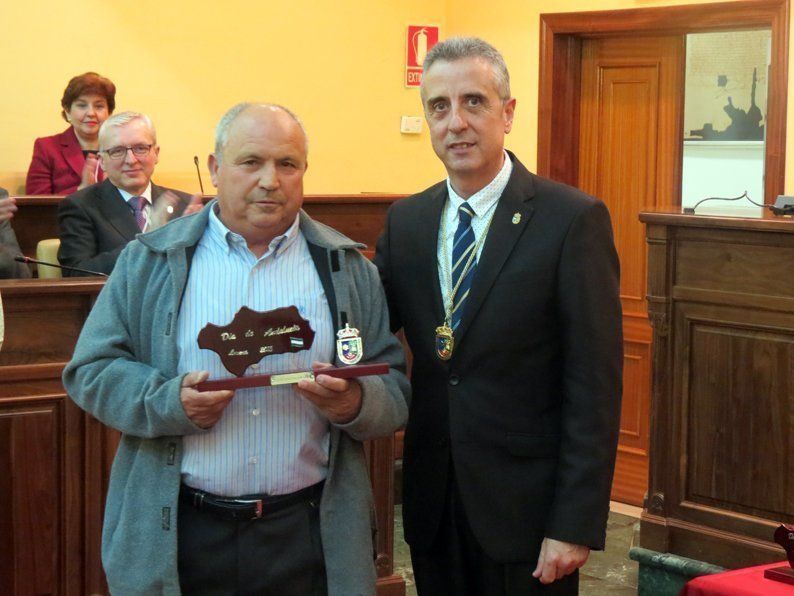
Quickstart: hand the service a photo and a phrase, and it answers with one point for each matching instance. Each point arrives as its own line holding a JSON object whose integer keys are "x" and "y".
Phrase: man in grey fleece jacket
{"x": 126, "y": 372}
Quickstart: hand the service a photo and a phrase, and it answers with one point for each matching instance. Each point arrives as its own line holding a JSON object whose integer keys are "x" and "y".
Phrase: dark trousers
{"x": 456, "y": 565}
{"x": 280, "y": 554}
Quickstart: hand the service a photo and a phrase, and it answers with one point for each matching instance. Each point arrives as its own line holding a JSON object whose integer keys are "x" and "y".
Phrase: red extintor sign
{"x": 420, "y": 40}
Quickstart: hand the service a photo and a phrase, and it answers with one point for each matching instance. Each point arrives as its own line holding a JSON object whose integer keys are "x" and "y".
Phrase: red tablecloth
{"x": 749, "y": 581}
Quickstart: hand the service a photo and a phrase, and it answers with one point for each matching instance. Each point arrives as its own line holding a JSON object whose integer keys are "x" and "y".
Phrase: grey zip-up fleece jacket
{"x": 124, "y": 372}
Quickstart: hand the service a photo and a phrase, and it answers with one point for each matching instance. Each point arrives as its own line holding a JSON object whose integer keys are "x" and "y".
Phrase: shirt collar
{"x": 484, "y": 199}
{"x": 223, "y": 236}
{"x": 146, "y": 194}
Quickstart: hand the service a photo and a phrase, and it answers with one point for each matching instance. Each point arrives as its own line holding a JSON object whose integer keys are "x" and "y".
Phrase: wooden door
{"x": 630, "y": 157}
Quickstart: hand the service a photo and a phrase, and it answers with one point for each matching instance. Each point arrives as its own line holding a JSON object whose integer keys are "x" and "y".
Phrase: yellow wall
{"x": 514, "y": 27}
{"x": 338, "y": 64}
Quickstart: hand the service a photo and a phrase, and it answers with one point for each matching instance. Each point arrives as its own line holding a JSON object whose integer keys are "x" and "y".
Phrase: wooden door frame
{"x": 561, "y": 36}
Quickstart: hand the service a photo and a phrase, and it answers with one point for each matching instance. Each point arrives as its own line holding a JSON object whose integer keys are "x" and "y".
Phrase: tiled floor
{"x": 608, "y": 572}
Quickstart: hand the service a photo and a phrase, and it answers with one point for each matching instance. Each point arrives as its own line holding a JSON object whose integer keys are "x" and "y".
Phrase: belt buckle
{"x": 257, "y": 502}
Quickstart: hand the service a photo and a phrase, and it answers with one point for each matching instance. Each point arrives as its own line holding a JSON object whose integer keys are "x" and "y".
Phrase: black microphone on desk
{"x": 198, "y": 171}
{"x": 22, "y": 259}
{"x": 783, "y": 205}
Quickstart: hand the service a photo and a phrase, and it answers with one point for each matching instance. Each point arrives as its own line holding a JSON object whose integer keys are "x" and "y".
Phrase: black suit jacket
{"x": 528, "y": 407}
{"x": 95, "y": 224}
{"x": 9, "y": 248}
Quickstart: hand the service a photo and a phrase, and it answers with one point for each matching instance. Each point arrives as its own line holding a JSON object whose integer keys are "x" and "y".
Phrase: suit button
{"x": 454, "y": 379}
{"x": 442, "y": 442}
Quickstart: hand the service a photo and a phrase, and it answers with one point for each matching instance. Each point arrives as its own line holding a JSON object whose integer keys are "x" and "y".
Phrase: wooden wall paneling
{"x": 42, "y": 329}
{"x": 733, "y": 551}
{"x": 30, "y": 441}
{"x": 78, "y": 514}
{"x": 631, "y": 466}
{"x": 729, "y": 487}
{"x": 39, "y": 432}
{"x": 777, "y": 14}
{"x": 558, "y": 104}
{"x": 380, "y": 455}
{"x": 713, "y": 262}
{"x": 7, "y": 527}
{"x": 99, "y": 449}
{"x": 628, "y": 133}
{"x": 629, "y": 120}
{"x": 753, "y": 366}
{"x": 359, "y": 217}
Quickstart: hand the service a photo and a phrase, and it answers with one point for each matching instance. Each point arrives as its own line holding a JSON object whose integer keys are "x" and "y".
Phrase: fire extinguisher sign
{"x": 420, "y": 40}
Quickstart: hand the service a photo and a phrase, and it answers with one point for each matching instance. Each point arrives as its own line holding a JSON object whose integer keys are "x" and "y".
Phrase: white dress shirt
{"x": 483, "y": 203}
{"x": 269, "y": 440}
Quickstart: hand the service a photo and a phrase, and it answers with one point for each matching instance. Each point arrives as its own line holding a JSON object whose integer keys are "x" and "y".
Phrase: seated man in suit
{"x": 95, "y": 223}
{"x": 9, "y": 247}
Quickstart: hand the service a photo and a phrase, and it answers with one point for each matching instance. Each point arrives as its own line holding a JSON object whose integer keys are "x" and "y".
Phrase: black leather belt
{"x": 247, "y": 507}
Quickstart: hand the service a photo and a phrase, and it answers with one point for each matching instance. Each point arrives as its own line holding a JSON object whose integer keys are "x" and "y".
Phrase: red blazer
{"x": 57, "y": 165}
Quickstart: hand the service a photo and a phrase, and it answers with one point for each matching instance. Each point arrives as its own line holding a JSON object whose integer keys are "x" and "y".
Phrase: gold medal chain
{"x": 445, "y": 264}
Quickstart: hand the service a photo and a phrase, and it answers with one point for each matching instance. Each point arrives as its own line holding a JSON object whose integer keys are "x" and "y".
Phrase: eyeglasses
{"x": 121, "y": 152}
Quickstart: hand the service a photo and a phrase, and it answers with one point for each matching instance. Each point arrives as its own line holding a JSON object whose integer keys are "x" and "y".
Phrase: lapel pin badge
{"x": 516, "y": 218}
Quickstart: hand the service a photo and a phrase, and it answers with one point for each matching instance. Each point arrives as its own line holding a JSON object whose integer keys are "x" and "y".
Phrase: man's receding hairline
{"x": 491, "y": 68}
{"x": 231, "y": 117}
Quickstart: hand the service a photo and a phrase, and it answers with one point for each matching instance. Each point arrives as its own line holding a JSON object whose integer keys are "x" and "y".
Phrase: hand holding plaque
{"x": 203, "y": 408}
{"x": 339, "y": 400}
{"x": 253, "y": 335}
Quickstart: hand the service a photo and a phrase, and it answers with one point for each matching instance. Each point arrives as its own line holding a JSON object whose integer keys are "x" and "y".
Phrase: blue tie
{"x": 461, "y": 251}
{"x": 137, "y": 204}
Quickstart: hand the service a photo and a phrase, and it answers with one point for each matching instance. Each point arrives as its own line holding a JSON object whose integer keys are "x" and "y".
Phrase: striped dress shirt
{"x": 269, "y": 440}
{"x": 483, "y": 202}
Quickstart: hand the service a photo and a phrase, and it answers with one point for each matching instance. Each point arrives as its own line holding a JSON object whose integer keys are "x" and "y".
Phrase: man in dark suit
{"x": 97, "y": 222}
{"x": 506, "y": 286}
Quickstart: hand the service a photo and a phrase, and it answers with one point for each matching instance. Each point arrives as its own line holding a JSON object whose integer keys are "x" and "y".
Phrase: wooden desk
{"x": 53, "y": 456}
{"x": 721, "y": 300}
{"x": 359, "y": 217}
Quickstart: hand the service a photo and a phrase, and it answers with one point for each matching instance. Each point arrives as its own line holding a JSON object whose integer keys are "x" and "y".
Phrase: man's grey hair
{"x": 459, "y": 48}
{"x": 122, "y": 119}
{"x": 222, "y": 130}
